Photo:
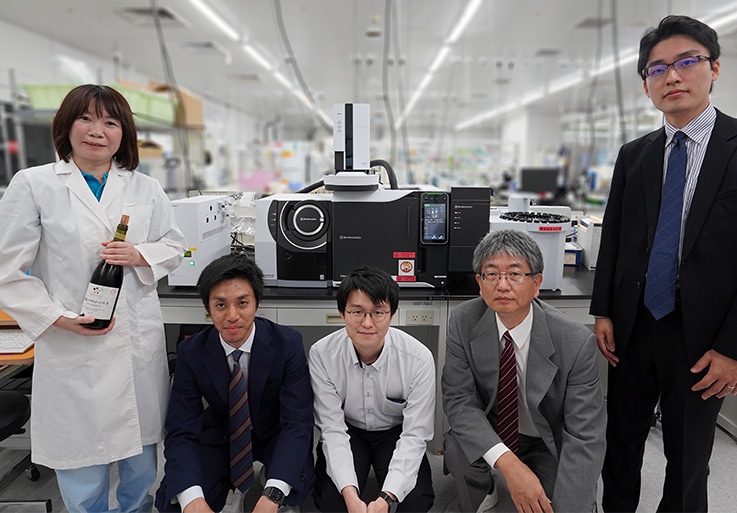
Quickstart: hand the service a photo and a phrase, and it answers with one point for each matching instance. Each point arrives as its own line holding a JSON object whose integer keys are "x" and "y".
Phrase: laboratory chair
{"x": 15, "y": 410}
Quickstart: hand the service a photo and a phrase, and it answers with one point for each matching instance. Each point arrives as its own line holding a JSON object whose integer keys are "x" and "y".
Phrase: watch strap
{"x": 275, "y": 494}
{"x": 393, "y": 503}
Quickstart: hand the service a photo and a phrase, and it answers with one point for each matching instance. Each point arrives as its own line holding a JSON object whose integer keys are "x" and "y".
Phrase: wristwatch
{"x": 393, "y": 503}
{"x": 275, "y": 494}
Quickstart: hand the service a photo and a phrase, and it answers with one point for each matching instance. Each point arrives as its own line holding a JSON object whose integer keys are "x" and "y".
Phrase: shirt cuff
{"x": 494, "y": 454}
{"x": 186, "y": 496}
{"x": 285, "y": 488}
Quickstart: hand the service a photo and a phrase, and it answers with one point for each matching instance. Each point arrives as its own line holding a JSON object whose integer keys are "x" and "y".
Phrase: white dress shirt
{"x": 397, "y": 389}
{"x": 195, "y": 492}
{"x": 521, "y": 337}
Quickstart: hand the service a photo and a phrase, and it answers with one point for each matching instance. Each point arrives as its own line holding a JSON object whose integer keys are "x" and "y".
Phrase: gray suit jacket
{"x": 563, "y": 393}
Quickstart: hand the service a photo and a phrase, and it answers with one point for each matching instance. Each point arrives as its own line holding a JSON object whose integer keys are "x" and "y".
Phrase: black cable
{"x": 618, "y": 73}
{"x": 389, "y": 172}
{"x": 311, "y": 187}
{"x": 182, "y": 133}
{"x": 295, "y": 66}
{"x": 385, "y": 83}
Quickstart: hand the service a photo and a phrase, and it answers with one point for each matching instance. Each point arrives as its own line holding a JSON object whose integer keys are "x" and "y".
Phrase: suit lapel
{"x": 217, "y": 365}
{"x": 262, "y": 356}
{"x": 484, "y": 348}
{"x": 541, "y": 370}
{"x": 653, "y": 152}
{"x": 722, "y": 145}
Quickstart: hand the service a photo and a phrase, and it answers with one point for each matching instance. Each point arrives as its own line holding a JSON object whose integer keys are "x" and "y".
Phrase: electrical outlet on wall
{"x": 420, "y": 317}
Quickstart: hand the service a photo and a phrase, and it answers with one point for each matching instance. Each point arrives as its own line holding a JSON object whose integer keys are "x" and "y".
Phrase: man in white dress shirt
{"x": 374, "y": 389}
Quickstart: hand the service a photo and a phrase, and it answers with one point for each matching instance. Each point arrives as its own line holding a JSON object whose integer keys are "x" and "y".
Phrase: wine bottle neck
{"x": 120, "y": 233}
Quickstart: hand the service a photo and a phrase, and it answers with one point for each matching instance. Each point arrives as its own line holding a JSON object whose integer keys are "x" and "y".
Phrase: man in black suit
{"x": 197, "y": 472}
{"x": 680, "y": 349}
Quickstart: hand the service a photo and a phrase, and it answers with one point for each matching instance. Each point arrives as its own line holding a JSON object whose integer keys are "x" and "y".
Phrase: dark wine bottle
{"x": 104, "y": 288}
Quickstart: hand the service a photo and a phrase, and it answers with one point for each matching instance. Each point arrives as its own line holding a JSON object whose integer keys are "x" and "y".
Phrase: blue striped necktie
{"x": 241, "y": 458}
{"x": 507, "y": 414}
{"x": 662, "y": 267}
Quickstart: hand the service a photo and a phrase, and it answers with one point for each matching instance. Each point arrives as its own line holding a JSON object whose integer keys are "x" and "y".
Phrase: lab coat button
{"x": 100, "y": 449}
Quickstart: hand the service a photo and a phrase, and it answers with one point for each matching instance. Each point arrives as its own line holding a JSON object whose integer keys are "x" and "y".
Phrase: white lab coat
{"x": 95, "y": 399}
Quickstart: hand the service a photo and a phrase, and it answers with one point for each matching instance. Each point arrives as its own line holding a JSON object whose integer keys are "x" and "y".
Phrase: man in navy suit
{"x": 197, "y": 471}
{"x": 683, "y": 356}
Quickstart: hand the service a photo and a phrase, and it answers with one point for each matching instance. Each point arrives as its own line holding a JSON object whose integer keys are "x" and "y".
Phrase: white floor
{"x": 722, "y": 486}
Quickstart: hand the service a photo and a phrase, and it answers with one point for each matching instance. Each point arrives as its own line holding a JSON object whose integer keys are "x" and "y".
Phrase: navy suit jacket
{"x": 708, "y": 271}
{"x": 280, "y": 401}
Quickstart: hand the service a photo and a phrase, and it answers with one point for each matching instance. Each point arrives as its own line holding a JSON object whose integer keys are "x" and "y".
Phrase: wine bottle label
{"x": 99, "y": 301}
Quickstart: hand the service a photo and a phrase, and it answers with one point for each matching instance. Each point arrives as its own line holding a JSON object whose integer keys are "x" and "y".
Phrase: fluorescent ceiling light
{"x": 439, "y": 58}
{"x": 256, "y": 56}
{"x": 283, "y": 80}
{"x": 718, "y": 21}
{"x": 532, "y": 96}
{"x": 723, "y": 18}
{"x": 463, "y": 22}
{"x": 565, "y": 82}
{"x": 626, "y": 57}
{"x": 216, "y": 19}
{"x": 411, "y": 103}
{"x": 468, "y": 13}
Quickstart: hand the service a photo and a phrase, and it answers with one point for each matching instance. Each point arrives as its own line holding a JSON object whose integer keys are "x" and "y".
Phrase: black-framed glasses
{"x": 360, "y": 315}
{"x": 683, "y": 65}
{"x": 514, "y": 277}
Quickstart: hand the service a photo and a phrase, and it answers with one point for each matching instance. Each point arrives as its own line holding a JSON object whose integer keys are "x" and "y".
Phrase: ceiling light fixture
{"x": 262, "y": 61}
{"x": 256, "y": 56}
{"x": 439, "y": 59}
{"x": 468, "y": 13}
{"x": 721, "y": 20}
{"x": 216, "y": 19}
{"x": 463, "y": 22}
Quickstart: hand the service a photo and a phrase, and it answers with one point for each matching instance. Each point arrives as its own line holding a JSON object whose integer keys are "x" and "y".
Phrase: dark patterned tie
{"x": 662, "y": 267}
{"x": 507, "y": 421}
{"x": 241, "y": 459}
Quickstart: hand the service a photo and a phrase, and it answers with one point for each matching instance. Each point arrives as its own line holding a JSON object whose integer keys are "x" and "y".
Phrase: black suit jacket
{"x": 708, "y": 270}
{"x": 280, "y": 401}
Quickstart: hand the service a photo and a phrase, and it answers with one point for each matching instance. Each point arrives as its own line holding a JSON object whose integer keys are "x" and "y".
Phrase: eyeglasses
{"x": 514, "y": 278}
{"x": 360, "y": 315}
{"x": 683, "y": 65}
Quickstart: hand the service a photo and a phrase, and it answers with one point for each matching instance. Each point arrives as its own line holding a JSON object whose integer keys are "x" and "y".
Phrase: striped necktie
{"x": 241, "y": 459}
{"x": 507, "y": 415}
{"x": 662, "y": 267}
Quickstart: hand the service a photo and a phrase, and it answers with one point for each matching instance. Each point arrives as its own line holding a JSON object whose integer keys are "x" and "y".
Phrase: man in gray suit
{"x": 553, "y": 452}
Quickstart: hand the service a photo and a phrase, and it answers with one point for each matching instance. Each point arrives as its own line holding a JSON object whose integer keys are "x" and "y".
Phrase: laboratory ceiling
{"x": 401, "y": 56}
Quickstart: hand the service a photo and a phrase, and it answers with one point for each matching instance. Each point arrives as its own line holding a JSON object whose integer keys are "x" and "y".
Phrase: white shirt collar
{"x": 245, "y": 347}
{"x": 520, "y": 333}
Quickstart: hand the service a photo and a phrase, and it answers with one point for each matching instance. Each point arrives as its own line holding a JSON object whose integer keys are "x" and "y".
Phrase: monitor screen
{"x": 538, "y": 179}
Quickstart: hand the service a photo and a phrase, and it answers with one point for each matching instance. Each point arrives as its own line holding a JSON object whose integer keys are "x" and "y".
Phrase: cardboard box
{"x": 148, "y": 150}
{"x": 589, "y": 237}
{"x": 191, "y": 103}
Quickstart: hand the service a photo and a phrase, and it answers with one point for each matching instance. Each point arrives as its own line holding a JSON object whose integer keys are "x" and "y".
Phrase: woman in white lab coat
{"x": 99, "y": 396}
